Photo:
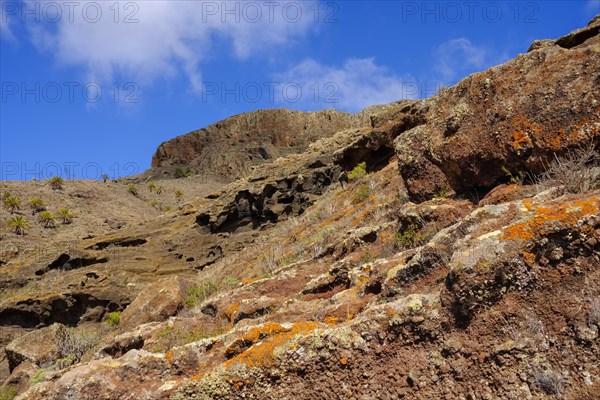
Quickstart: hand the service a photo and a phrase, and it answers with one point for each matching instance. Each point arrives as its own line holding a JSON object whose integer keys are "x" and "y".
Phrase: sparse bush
{"x": 270, "y": 259}
{"x": 179, "y": 195}
{"x": 230, "y": 282}
{"x": 65, "y": 215}
{"x": 12, "y": 204}
{"x": 104, "y": 178}
{"x": 151, "y": 187}
{"x": 75, "y": 342}
{"x": 412, "y": 236}
{"x": 8, "y": 392}
{"x": 198, "y": 294}
{"x": 576, "y": 172}
{"x": 358, "y": 172}
{"x": 166, "y": 208}
{"x": 180, "y": 173}
{"x": 39, "y": 376}
{"x": 113, "y": 319}
{"x": 158, "y": 189}
{"x": 5, "y": 194}
{"x": 367, "y": 258}
{"x": 19, "y": 224}
{"x": 46, "y": 219}
{"x": 56, "y": 183}
{"x": 65, "y": 362}
{"x": 36, "y": 205}
{"x": 322, "y": 242}
{"x": 548, "y": 381}
{"x": 362, "y": 194}
{"x": 132, "y": 189}
{"x": 154, "y": 203}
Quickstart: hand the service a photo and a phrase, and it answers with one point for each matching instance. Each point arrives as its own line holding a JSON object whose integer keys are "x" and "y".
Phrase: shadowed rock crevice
{"x": 64, "y": 262}
{"x": 66, "y": 309}
{"x": 120, "y": 242}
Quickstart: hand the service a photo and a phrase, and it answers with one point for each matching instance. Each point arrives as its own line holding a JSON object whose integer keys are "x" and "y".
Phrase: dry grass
{"x": 577, "y": 171}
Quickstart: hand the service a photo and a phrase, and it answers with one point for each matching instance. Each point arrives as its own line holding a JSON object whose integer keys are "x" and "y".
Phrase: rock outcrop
{"x": 507, "y": 121}
{"x": 227, "y": 150}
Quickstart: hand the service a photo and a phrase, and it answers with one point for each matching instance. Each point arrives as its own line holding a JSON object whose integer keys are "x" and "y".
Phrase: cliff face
{"x": 228, "y": 149}
{"x": 461, "y": 263}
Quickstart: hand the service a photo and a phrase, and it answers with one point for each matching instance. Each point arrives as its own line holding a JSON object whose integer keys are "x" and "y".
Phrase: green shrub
{"x": 358, "y": 172}
{"x": 12, "y": 203}
{"x": 230, "y": 281}
{"x": 39, "y": 376}
{"x": 36, "y": 205}
{"x": 7, "y": 393}
{"x": 56, "y": 183}
{"x": 362, "y": 193}
{"x": 113, "y": 319}
{"x": 19, "y": 224}
{"x": 180, "y": 173}
{"x": 65, "y": 215}
{"x": 198, "y": 294}
{"x": 412, "y": 236}
{"x": 132, "y": 189}
{"x": 46, "y": 219}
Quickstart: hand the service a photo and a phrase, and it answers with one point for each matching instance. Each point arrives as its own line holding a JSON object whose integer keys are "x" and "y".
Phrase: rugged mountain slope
{"x": 228, "y": 149}
{"x": 290, "y": 283}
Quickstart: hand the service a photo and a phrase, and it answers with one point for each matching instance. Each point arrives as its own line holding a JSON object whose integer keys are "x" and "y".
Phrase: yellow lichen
{"x": 264, "y": 340}
{"x": 547, "y": 220}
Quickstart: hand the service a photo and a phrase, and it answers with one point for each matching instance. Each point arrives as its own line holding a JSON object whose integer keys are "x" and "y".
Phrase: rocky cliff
{"x": 228, "y": 149}
{"x": 462, "y": 261}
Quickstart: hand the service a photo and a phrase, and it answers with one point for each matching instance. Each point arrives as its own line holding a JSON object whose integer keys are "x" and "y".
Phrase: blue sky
{"x": 94, "y": 87}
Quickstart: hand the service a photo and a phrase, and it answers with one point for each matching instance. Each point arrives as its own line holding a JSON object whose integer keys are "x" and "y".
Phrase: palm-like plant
{"x": 158, "y": 189}
{"x": 37, "y": 205}
{"x": 65, "y": 215}
{"x": 132, "y": 189}
{"x": 46, "y": 219}
{"x": 105, "y": 177}
{"x": 179, "y": 194}
{"x": 152, "y": 187}
{"x": 19, "y": 224}
{"x": 5, "y": 195}
{"x": 12, "y": 204}
{"x": 56, "y": 183}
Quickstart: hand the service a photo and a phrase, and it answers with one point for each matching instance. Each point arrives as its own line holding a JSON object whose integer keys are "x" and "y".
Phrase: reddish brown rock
{"x": 508, "y": 120}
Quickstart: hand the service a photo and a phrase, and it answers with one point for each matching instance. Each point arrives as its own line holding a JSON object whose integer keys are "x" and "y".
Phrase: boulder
{"x": 502, "y": 122}
{"x": 38, "y": 347}
{"x": 157, "y": 302}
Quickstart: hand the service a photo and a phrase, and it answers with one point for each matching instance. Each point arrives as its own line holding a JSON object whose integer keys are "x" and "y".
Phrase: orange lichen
{"x": 330, "y": 320}
{"x": 169, "y": 356}
{"x": 248, "y": 281}
{"x": 528, "y": 204}
{"x": 547, "y": 220}
{"x": 525, "y": 133}
{"x": 231, "y": 311}
{"x": 264, "y": 340}
{"x": 529, "y": 258}
{"x": 343, "y": 361}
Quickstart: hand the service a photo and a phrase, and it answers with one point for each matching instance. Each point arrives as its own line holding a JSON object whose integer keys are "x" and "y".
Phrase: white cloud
{"x": 357, "y": 84}
{"x": 168, "y": 38}
{"x": 457, "y": 56}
